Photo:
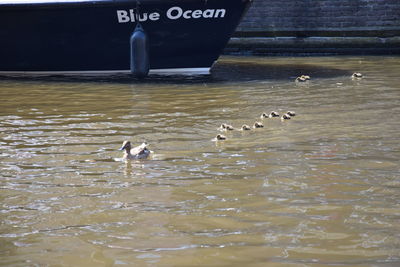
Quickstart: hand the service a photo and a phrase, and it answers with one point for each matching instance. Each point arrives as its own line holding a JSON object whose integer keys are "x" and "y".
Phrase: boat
{"x": 95, "y": 37}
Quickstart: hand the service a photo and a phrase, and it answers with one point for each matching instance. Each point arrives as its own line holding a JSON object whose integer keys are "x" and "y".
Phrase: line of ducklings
{"x": 142, "y": 152}
{"x": 306, "y": 78}
{"x": 273, "y": 114}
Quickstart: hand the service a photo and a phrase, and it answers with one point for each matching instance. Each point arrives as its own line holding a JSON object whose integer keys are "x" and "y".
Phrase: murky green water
{"x": 320, "y": 189}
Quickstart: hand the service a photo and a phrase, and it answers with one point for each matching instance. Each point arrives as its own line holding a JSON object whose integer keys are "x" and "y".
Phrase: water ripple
{"x": 321, "y": 188}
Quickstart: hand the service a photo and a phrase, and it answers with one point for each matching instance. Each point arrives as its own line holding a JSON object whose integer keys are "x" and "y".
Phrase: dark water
{"x": 320, "y": 189}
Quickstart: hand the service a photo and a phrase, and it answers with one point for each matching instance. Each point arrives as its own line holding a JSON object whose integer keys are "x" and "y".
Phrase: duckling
{"x": 245, "y": 127}
{"x": 139, "y": 152}
{"x": 258, "y": 125}
{"x": 291, "y": 113}
{"x": 220, "y": 137}
{"x": 301, "y": 79}
{"x": 356, "y": 75}
{"x": 285, "y": 117}
{"x": 270, "y": 115}
{"x": 273, "y": 114}
{"x": 226, "y": 127}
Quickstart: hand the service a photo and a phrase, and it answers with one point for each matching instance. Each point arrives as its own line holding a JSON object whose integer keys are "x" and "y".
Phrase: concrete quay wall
{"x": 318, "y": 27}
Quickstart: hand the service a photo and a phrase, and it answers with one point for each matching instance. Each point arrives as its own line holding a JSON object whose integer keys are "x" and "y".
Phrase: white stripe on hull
{"x": 182, "y": 71}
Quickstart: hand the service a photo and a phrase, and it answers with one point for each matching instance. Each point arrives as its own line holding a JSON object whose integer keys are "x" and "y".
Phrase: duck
{"x": 226, "y": 127}
{"x": 139, "y": 152}
{"x": 245, "y": 127}
{"x": 270, "y": 115}
{"x": 273, "y": 114}
{"x": 220, "y": 137}
{"x": 291, "y": 113}
{"x": 285, "y": 117}
{"x": 356, "y": 75}
{"x": 258, "y": 125}
{"x": 301, "y": 79}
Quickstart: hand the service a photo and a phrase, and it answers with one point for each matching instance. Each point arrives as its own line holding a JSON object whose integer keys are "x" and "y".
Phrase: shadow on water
{"x": 222, "y": 72}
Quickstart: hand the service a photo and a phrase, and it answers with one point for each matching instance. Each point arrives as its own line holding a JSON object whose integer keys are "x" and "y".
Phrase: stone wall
{"x": 319, "y": 26}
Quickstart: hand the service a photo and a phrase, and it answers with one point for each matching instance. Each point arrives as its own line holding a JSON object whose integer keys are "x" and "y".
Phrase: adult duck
{"x": 139, "y": 152}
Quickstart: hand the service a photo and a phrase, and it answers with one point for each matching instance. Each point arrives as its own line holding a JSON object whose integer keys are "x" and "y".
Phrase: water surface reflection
{"x": 227, "y": 70}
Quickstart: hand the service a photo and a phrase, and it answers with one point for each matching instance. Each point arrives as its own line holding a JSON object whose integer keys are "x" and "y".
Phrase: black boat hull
{"x": 93, "y": 36}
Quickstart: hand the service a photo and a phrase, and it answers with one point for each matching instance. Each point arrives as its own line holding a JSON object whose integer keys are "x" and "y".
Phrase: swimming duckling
{"x": 301, "y": 79}
{"x": 220, "y": 137}
{"x": 273, "y": 114}
{"x": 245, "y": 127}
{"x": 258, "y": 125}
{"x": 270, "y": 115}
{"x": 356, "y": 75}
{"x": 139, "y": 152}
{"x": 226, "y": 127}
{"x": 291, "y": 113}
{"x": 285, "y": 117}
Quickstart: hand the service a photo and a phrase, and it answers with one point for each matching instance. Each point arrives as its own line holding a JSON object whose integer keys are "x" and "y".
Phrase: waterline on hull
{"x": 175, "y": 71}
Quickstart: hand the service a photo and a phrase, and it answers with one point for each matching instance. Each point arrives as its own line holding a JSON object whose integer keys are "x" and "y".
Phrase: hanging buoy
{"x": 140, "y": 61}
